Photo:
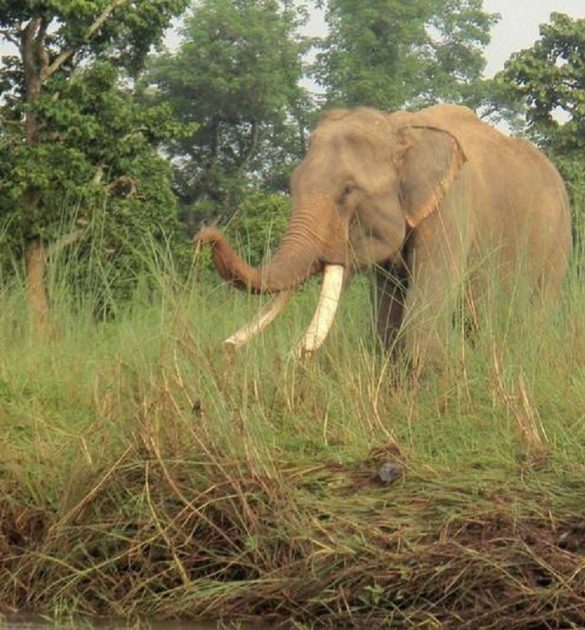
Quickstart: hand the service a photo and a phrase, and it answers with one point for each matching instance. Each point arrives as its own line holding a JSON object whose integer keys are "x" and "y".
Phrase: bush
{"x": 259, "y": 224}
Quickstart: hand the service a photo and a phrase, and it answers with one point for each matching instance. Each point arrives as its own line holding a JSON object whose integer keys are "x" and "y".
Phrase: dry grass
{"x": 144, "y": 473}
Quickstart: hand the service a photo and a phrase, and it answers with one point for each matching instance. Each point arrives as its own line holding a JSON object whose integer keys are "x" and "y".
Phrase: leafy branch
{"x": 95, "y": 27}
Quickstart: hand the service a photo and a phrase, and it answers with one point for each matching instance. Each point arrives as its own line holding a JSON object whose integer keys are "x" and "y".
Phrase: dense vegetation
{"x": 145, "y": 473}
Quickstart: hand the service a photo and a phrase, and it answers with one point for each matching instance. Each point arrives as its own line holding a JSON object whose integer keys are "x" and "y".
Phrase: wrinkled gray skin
{"x": 429, "y": 199}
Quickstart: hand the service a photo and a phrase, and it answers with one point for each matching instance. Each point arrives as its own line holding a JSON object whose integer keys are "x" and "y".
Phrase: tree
{"x": 236, "y": 74}
{"x": 548, "y": 79}
{"x": 71, "y": 136}
{"x": 390, "y": 53}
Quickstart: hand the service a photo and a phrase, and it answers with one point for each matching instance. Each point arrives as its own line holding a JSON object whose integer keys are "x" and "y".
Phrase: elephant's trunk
{"x": 297, "y": 258}
{"x": 308, "y": 246}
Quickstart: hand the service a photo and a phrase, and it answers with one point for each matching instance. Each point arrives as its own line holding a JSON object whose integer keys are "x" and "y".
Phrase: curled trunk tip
{"x": 207, "y": 235}
{"x": 295, "y": 260}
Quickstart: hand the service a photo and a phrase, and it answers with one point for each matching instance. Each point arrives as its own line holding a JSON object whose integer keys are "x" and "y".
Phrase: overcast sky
{"x": 518, "y": 27}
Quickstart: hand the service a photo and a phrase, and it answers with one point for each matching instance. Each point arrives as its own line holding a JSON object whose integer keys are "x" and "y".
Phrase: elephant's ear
{"x": 431, "y": 160}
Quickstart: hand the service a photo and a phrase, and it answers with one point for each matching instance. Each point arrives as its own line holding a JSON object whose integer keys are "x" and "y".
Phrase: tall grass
{"x": 146, "y": 472}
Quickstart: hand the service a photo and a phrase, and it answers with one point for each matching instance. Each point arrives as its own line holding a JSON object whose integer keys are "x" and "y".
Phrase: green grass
{"x": 145, "y": 472}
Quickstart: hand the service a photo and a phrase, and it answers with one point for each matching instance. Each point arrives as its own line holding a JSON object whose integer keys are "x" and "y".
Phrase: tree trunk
{"x": 35, "y": 61}
{"x": 35, "y": 258}
{"x": 37, "y": 69}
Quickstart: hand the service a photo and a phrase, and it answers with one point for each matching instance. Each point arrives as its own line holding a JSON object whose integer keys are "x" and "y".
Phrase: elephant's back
{"x": 528, "y": 219}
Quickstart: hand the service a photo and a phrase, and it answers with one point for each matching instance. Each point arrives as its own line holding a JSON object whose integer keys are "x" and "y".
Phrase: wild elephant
{"x": 425, "y": 198}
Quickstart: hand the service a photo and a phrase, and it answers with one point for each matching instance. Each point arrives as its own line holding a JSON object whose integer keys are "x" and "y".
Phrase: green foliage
{"x": 236, "y": 74}
{"x": 92, "y": 157}
{"x": 258, "y": 224}
{"x": 97, "y": 146}
{"x": 121, "y": 30}
{"x": 548, "y": 80}
{"x": 390, "y": 53}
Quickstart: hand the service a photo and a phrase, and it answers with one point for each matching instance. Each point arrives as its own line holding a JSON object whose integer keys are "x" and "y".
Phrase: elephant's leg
{"x": 437, "y": 272}
{"x": 391, "y": 283}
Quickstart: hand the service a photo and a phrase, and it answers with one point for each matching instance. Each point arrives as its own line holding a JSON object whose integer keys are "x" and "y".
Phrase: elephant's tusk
{"x": 257, "y": 325}
{"x": 325, "y": 312}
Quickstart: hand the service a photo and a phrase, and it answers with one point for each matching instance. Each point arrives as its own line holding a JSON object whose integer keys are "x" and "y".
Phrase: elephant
{"x": 426, "y": 199}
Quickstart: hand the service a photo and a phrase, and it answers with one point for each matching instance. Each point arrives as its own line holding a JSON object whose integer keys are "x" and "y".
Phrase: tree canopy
{"x": 548, "y": 81}
{"x": 549, "y": 78}
{"x": 390, "y": 53}
{"x": 236, "y": 74}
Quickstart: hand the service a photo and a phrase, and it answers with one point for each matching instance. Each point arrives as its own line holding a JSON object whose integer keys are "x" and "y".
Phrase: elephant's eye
{"x": 346, "y": 192}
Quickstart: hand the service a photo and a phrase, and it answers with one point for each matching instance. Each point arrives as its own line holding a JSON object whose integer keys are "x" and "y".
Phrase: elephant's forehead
{"x": 343, "y": 149}
{"x": 325, "y": 171}
{"x": 327, "y": 163}
{"x": 355, "y": 126}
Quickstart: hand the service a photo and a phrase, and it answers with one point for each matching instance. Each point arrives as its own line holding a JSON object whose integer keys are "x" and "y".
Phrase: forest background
{"x": 105, "y": 138}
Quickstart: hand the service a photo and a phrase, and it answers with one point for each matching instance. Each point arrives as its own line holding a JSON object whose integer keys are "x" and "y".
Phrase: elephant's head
{"x": 366, "y": 180}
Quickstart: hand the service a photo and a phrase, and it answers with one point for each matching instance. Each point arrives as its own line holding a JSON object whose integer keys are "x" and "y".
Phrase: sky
{"x": 517, "y": 29}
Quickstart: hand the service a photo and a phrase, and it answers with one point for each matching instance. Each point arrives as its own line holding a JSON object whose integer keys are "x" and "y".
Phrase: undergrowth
{"x": 147, "y": 473}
